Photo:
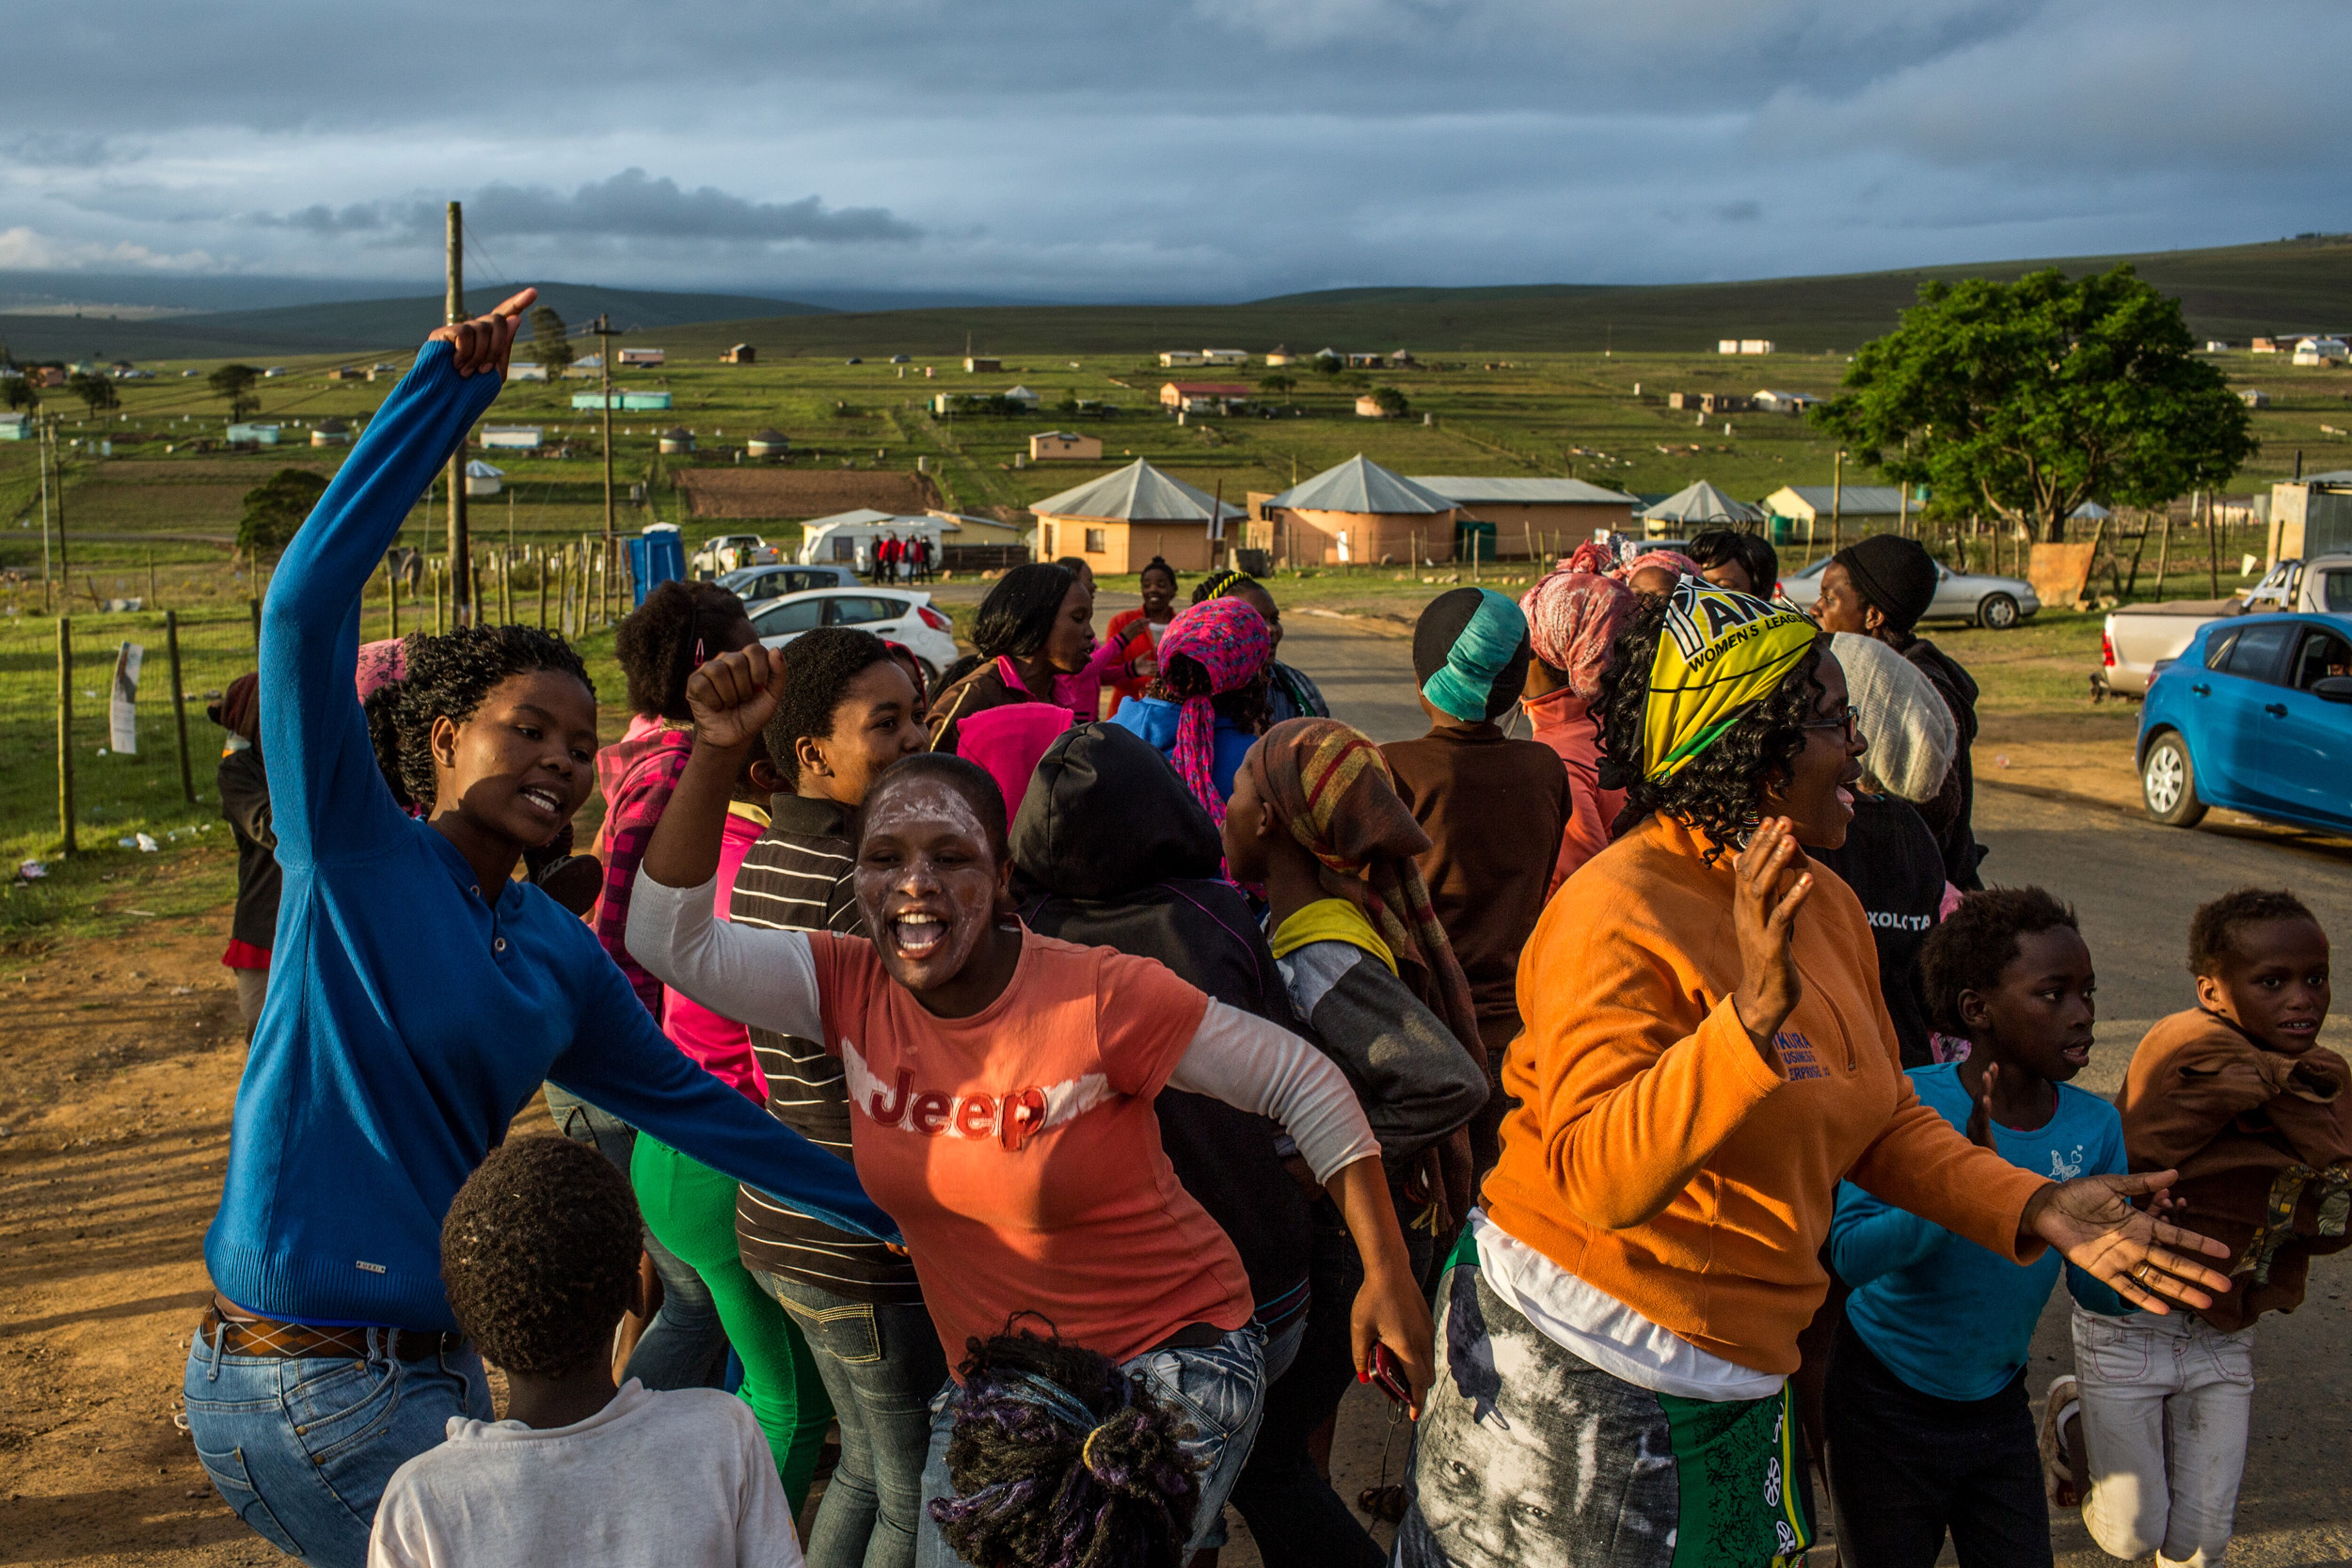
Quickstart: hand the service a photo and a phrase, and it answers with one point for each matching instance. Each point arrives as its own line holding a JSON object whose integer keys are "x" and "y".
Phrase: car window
{"x": 2217, "y": 649}
{"x": 801, "y": 615}
{"x": 2323, "y": 653}
{"x": 2336, "y": 590}
{"x": 858, "y": 610}
{"x": 2259, "y": 650}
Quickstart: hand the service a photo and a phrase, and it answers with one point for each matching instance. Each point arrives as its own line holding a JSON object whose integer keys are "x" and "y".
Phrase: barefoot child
{"x": 1929, "y": 1430}
{"x": 2238, "y": 1095}
{"x": 540, "y": 1257}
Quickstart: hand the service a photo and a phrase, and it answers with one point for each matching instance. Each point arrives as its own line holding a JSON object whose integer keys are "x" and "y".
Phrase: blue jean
{"x": 686, "y": 1346}
{"x": 1220, "y": 1391}
{"x": 881, "y": 1365}
{"x": 301, "y": 1450}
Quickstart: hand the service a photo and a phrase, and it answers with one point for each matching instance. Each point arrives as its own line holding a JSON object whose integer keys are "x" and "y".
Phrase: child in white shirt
{"x": 540, "y": 1254}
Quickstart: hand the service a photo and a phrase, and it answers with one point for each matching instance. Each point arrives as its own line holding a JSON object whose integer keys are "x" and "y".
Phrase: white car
{"x": 1995, "y": 603}
{"x": 733, "y": 552}
{"x": 895, "y": 615}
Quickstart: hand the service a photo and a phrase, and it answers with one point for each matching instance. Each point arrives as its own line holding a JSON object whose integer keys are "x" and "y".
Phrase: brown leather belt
{"x": 242, "y": 1333}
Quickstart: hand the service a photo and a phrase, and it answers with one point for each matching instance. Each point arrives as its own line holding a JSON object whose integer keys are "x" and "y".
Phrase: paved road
{"x": 2134, "y": 885}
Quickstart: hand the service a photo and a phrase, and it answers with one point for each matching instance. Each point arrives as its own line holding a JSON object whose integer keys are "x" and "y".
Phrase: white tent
{"x": 847, "y": 538}
{"x": 1701, "y": 503}
{"x": 1361, "y": 484}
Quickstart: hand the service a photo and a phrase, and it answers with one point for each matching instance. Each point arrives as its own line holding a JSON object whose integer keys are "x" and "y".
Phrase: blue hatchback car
{"x": 2256, "y": 715}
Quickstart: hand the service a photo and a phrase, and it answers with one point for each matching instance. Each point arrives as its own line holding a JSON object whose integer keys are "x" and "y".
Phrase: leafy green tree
{"x": 549, "y": 340}
{"x": 19, "y": 392}
{"x": 1277, "y": 385}
{"x": 1391, "y": 401}
{"x": 274, "y": 509}
{"x": 95, "y": 390}
{"x": 233, "y": 385}
{"x": 2031, "y": 398}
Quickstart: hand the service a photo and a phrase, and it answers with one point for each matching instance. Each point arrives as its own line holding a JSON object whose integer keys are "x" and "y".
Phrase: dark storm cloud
{"x": 1194, "y": 149}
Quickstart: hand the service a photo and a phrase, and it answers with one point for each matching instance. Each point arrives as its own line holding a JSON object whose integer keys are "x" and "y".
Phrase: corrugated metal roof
{"x": 1859, "y": 500}
{"x": 1469, "y": 489}
{"x": 1136, "y": 492}
{"x": 1361, "y": 484}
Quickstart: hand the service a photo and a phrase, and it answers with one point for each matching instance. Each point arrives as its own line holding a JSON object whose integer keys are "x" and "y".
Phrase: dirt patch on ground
{"x": 814, "y": 492}
{"x": 117, "y": 1076}
{"x": 2087, "y": 753}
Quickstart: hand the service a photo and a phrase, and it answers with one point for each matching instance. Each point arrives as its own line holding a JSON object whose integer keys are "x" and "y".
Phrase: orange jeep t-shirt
{"x": 1018, "y": 1149}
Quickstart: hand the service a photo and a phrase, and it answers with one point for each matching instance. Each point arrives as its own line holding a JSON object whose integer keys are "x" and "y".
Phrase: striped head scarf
{"x": 1720, "y": 653}
{"x": 1573, "y": 617}
{"x": 1329, "y": 785}
{"x": 1227, "y": 645}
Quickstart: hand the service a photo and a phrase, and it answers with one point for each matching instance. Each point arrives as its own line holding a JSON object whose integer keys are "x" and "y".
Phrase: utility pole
{"x": 41, "y": 459}
{"x": 1837, "y": 502}
{"x": 458, "y": 544}
{"x": 56, "y": 461}
{"x": 604, "y": 366}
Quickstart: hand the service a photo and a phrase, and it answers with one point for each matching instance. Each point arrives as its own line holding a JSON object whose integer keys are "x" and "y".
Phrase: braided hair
{"x": 451, "y": 676}
{"x": 1062, "y": 1458}
{"x": 1720, "y": 792}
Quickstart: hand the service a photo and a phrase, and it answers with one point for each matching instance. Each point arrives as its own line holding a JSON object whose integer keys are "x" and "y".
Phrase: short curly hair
{"x": 818, "y": 667}
{"x": 655, "y": 643}
{"x": 539, "y": 1253}
{"x": 1720, "y": 792}
{"x": 2213, "y": 929}
{"x": 1978, "y": 940}
{"x": 450, "y": 677}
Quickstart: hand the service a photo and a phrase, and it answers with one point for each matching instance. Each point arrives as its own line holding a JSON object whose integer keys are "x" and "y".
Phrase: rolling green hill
{"x": 2234, "y": 292}
{"x": 356, "y": 325}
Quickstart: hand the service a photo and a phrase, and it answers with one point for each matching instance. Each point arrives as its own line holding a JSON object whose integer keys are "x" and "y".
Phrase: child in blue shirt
{"x": 1929, "y": 1430}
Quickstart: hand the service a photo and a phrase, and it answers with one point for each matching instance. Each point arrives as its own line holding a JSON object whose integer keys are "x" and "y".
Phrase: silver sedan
{"x": 1996, "y": 603}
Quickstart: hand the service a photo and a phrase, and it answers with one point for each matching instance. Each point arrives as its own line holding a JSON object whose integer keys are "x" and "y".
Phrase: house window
{"x": 1048, "y": 530}
{"x": 1095, "y": 543}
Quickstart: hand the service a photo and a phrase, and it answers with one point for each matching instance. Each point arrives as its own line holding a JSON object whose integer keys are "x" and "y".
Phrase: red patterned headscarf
{"x": 1330, "y": 787}
{"x": 1573, "y": 617}
{"x": 1227, "y": 644}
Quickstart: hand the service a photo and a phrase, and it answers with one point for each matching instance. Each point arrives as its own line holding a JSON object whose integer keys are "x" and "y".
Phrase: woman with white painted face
{"x": 1002, "y": 1084}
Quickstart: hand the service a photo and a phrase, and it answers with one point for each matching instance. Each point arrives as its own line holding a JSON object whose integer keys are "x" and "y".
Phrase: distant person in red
{"x": 1136, "y": 633}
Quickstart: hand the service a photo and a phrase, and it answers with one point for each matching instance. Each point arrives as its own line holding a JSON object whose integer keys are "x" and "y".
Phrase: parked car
{"x": 755, "y": 585}
{"x": 894, "y": 615}
{"x": 1996, "y": 603}
{"x": 2255, "y": 715}
{"x": 2139, "y": 637}
{"x": 732, "y": 552}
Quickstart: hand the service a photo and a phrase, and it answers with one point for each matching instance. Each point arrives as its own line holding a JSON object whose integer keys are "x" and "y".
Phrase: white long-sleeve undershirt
{"x": 768, "y": 977}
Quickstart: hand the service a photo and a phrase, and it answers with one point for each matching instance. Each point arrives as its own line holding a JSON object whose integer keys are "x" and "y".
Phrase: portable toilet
{"x": 656, "y": 556}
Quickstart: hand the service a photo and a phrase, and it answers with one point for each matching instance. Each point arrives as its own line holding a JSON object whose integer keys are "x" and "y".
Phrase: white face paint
{"x": 927, "y": 880}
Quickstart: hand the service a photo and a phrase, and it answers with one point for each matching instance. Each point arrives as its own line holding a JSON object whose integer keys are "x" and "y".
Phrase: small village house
{"x": 2263, "y": 346}
{"x": 1555, "y": 514}
{"x": 677, "y": 440}
{"x": 1203, "y": 397}
{"x": 768, "y": 443}
{"x": 1065, "y": 446}
{"x": 354, "y": 374}
{"x": 251, "y": 435}
{"x": 1711, "y": 402}
{"x": 512, "y": 437}
{"x": 1858, "y": 509}
{"x": 1368, "y": 407}
{"x": 1357, "y": 512}
{"x": 1121, "y": 520}
{"x": 483, "y": 479}
{"x": 646, "y": 357}
{"x": 1023, "y": 395}
{"x": 331, "y": 433}
{"x": 15, "y": 427}
{"x": 526, "y": 372}
{"x": 2320, "y": 352}
{"x": 1180, "y": 359}
{"x": 1225, "y": 356}
{"x": 1771, "y": 400}
{"x": 982, "y": 364}
{"x": 2255, "y": 397}
{"x": 1281, "y": 357}
{"x": 740, "y": 354}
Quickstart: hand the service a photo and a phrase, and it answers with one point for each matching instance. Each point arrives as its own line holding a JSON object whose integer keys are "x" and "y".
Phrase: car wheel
{"x": 1997, "y": 612}
{"x": 2168, "y": 783}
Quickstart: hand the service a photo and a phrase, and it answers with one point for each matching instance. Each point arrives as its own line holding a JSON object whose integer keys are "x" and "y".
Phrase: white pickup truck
{"x": 2138, "y": 637}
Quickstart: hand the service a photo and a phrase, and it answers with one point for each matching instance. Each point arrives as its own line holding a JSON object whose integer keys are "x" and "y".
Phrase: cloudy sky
{"x": 1173, "y": 150}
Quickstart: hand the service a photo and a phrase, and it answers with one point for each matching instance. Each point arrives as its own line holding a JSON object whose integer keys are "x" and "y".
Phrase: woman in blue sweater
{"x": 421, "y": 995}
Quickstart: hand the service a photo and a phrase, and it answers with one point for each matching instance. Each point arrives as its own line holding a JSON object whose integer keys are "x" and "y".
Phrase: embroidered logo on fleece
{"x": 1797, "y": 1056}
{"x": 1011, "y": 1119}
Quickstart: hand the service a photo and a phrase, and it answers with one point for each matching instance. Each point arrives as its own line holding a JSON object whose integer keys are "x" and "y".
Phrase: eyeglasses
{"x": 1844, "y": 721}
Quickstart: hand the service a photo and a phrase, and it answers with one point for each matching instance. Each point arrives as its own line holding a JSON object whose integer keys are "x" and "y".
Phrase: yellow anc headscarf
{"x": 1720, "y": 653}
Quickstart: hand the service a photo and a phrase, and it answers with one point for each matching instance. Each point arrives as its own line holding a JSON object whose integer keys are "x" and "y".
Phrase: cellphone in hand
{"x": 1387, "y": 1375}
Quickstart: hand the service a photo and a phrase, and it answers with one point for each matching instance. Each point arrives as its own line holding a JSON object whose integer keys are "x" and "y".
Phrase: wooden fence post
{"x": 179, "y": 704}
{"x": 65, "y": 733}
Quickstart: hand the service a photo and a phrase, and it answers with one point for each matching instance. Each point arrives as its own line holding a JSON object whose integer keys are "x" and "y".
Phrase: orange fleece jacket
{"x": 1657, "y": 1155}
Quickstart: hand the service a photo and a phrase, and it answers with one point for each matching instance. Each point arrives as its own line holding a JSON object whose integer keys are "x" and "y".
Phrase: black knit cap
{"x": 1896, "y": 574}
